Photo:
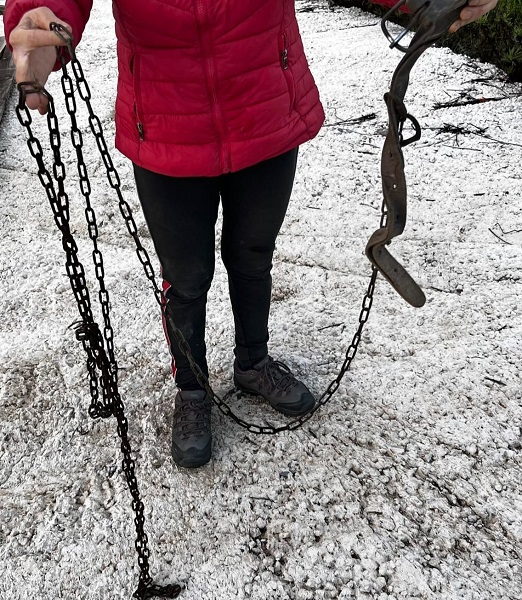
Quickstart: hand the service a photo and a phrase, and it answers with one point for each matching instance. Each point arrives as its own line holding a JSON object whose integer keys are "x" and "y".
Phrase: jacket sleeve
{"x": 73, "y": 12}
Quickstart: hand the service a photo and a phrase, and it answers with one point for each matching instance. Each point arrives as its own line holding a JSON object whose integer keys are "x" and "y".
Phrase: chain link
{"x": 100, "y": 347}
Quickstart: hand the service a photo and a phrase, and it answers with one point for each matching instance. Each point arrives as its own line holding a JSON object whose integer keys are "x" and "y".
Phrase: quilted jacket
{"x": 205, "y": 87}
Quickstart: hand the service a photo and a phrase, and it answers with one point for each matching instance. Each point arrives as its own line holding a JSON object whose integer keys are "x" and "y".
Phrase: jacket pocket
{"x": 286, "y": 62}
{"x": 136, "y": 82}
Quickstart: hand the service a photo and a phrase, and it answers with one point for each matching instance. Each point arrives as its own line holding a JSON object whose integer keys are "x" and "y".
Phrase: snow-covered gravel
{"x": 406, "y": 485}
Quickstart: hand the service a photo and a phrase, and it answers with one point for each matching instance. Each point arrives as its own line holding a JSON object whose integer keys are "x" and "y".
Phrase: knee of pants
{"x": 188, "y": 288}
{"x": 249, "y": 261}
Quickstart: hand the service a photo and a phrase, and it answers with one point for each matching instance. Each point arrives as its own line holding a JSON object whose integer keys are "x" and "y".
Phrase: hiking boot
{"x": 191, "y": 435}
{"x": 274, "y": 381}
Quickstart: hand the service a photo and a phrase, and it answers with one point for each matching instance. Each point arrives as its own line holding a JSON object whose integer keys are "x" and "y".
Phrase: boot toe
{"x": 297, "y": 408}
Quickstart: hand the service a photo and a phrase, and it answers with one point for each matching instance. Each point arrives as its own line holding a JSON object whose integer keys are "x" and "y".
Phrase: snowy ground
{"x": 406, "y": 485}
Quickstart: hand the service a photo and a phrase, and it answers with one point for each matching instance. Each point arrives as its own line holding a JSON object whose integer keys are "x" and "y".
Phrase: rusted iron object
{"x": 431, "y": 20}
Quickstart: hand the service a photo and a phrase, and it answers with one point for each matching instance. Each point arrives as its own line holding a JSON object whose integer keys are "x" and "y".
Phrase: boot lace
{"x": 278, "y": 377}
{"x": 193, "y": 418}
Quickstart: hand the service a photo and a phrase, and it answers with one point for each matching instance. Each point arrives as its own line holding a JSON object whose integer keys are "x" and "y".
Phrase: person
{"x": 214, "y": 99}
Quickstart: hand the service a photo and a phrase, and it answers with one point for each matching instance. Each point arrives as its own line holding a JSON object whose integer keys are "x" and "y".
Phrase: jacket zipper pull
{"x": 284, "y": 54}
{"x": 140, "y": 131}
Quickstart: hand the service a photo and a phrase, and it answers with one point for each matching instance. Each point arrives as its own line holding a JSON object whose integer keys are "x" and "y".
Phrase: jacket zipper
{"x": 285, "y": 65}
{"x": 137, "y": 110}
{"x": 284, "y": 54}
{"x": 210, "y": 71}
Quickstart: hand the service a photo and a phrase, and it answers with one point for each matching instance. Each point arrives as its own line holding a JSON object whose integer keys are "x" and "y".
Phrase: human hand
{"x": 473, "y": 11}
{"x": 34, "y": 51}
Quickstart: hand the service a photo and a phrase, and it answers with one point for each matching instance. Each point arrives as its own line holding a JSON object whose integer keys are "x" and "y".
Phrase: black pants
{"x": 181, "y": 214}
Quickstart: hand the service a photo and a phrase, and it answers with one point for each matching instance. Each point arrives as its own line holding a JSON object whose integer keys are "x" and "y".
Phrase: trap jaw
{"x": 431, "y": 20}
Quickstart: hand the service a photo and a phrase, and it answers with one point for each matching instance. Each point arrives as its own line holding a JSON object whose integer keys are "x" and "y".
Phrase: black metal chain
{"x": 100, "y": 348}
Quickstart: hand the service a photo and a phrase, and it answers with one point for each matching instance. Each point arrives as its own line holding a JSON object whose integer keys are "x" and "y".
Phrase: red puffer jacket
{"x": 205, "y": 86}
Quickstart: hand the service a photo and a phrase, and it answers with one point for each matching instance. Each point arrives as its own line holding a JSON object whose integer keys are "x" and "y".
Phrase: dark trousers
{"x": 181, "y": 214}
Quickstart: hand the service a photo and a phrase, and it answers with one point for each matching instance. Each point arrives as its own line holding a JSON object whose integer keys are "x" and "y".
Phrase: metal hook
{"x": 25, "y": 88}
{"x": 394, "y": 40}
{"x": 416, "y": 136}
{"x": 63, "y": 33}
{"x": 28, "y": 87}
